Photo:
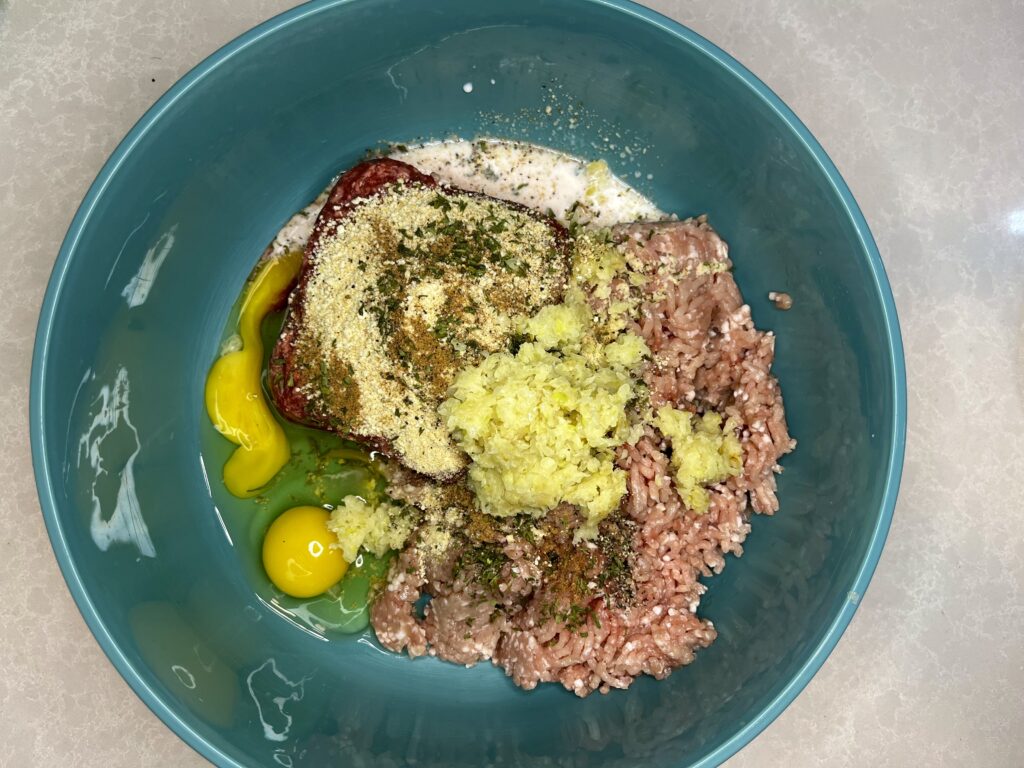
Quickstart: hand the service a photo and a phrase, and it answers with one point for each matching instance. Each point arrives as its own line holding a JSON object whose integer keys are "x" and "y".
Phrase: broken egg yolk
{"x": 234, "y": 391}
{"x": 300, "y": 553}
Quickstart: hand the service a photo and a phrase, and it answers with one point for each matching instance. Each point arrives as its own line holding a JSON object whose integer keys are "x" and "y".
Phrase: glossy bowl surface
{"x": 160, "y": 248}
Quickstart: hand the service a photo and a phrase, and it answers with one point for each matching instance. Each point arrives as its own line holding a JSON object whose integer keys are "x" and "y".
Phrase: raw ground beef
{"x": 707, "y": 355}
{"x": 294, "y": 373}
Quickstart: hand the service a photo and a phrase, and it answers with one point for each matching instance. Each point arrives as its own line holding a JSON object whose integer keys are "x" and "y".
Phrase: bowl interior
{"x": 165, "y": 240}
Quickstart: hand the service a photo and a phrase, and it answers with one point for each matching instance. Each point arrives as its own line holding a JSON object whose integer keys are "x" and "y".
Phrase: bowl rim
{"x": 180, "y": 725}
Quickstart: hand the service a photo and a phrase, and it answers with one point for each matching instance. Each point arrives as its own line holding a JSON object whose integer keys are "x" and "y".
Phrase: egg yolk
{"x": 234, "y": 392}
{"x": 297, "y": 553}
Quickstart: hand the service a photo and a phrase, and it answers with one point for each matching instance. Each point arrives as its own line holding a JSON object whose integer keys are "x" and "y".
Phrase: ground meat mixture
{"x": 626, "y": 603}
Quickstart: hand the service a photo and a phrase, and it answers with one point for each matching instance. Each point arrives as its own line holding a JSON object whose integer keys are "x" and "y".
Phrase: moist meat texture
{"x": 634, "y": 610}
{"x": 405, "y": 282}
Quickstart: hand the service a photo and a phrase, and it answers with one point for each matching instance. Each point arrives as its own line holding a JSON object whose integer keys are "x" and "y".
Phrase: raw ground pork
{"x": 706, "y": 354}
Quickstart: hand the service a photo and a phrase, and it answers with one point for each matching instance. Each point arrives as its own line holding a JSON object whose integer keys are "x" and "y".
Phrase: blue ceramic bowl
{"x": 166, "y": 236}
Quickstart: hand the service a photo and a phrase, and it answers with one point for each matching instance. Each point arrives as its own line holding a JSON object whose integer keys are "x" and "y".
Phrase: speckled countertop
{"x": 921, "y": 105}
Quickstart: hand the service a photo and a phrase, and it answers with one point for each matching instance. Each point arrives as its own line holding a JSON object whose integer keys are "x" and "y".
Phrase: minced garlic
{"x": 712, "y": 267}
{"x": 541, "y": 426}
{"x": 558, "y": 325}
{"x": 377, "y": 528}
{"x": 703, "y": 452}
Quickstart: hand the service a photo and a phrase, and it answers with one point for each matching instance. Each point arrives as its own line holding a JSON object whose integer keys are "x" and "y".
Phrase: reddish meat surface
{"x": 286, "y": 375}
{"x": 288, "y": 372}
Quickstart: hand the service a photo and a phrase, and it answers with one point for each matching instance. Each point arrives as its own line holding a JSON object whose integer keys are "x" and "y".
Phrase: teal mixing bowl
{"x": 161, "y": 246}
